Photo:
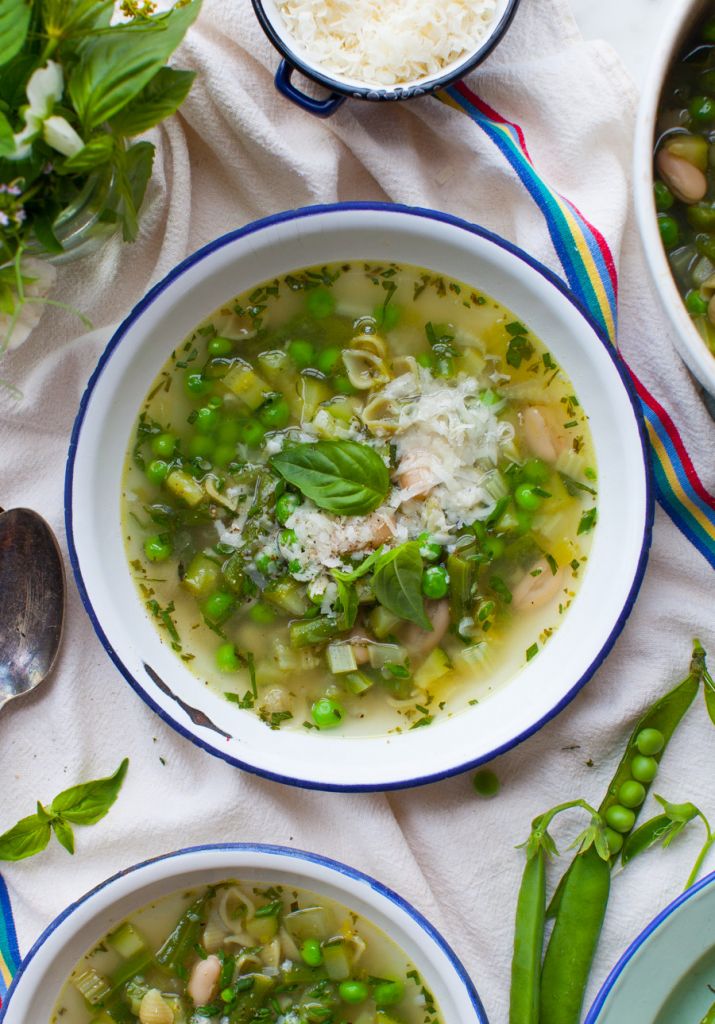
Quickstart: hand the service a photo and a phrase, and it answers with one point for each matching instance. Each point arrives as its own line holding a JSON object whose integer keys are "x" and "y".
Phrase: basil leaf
{"x": 348, "y": 598}
{"x": 162, "y": 97}
{"x": 343, "y": 477}
{"x": 42, "y": 227}
{"x": 87, "y": 803}
{"x": 64, "y": 834}
{"x": 14, "y": 23}
{"x": 97, "y": 151}
{"x": 7, "y": 139}
{"x": 349, "y": 576}
{"x": 397, "y": 581}
{"x": 30, "y": 836}
{"x": 115, "y": 66}
{"x": 709, "y": 685}
{"x": 134, "y": 173}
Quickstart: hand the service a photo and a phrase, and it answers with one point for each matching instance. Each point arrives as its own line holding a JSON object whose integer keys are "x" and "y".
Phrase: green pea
{"x": 229, "y": 431}
{"x": 695, "y": 303}
{"x": 320, "y": 303}
{"x": 429, "y": 549}
{"x": 220, "y": 347}
{"x": 195, "y": 383}
{"x": 644, "y": 769}
{"x": 218, "y": 607}
{"x": 311, "y": 953}
{"x": 200, "y": 446}
{"x": 353, "y": 991}
{"x": 302, "y": 353}
{"x": 631, "y": 794}
{"x": 425, "y": 359}
{"x": 163, "y": 445}
{"x": 252, "y": 433}
{"x": 275, "y": 413}
{"x": 526, "y": 497}
{"x": 262, "y": 614}
{"x": 327, "y": 713}
{"x": 226, "y": 658}
{"x": 664, "y": 198}
{"x": 701, "y": 216}
{"x": 328, "y": 359}
{"x": 669, "y": 230}
{"x": 387, "y": 993}
{"x": 486, "y": 783}
{"x": 157, "y": 548}
{"x": 702, "y": 109}
{"x": 535, "y": 471}
{"x": 619, "y": 818}
{"x": 342, "y": 385}
{"x": 493, "y": 547}
{"x": 650, "y": 741}
{"x": 435, "y": 582}
{"x": 224, "y": 454}
{"x": 614, "y": 840}
{"x": 207, "y": 420}
{"x": 156, "y": 471}
{"x": 287, "y": 538}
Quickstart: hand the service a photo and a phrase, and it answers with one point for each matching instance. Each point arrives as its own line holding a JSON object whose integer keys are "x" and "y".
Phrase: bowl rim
{"x": 393, "y": 209}
{"x": 612, "y": 979}
{"x": 332, "y": 866}
{"x": 377, "y": 93}
{"x": 687, "y": 341}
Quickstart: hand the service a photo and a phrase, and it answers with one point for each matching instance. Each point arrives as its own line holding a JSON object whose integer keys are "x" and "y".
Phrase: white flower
{"x": 44, "y": 90}
{"x": 59, "y": 134}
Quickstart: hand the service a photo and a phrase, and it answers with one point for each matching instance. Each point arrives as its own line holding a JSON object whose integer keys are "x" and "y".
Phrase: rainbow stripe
{"x": 9, "y": 951}
{"x": 590, "y": 271}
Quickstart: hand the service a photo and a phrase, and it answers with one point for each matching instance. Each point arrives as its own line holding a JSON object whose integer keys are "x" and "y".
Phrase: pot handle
{"x": 321, "y": 108}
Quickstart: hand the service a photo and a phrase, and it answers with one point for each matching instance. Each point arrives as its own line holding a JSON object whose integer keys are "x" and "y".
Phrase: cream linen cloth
{"x": 240, "y": 151}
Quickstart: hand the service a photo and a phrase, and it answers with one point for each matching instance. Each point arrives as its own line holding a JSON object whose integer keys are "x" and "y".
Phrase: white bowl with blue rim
{"x": 667, "y": 976}
{"x": 49, "y": 963}
{"x": 297, "y": 58}
{"x": 267, "y": 249}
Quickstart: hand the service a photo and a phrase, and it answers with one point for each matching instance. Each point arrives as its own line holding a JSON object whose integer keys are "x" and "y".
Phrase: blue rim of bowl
{"x": 301, "y": 213}
{"x": 612, "y": 979}
{"x": 375, "y": 93}
{"x": 334, "y": 866}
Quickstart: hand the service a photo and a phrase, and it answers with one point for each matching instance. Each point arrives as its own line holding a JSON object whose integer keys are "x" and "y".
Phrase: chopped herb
{"x": 553, "y": 564}
{"x": 588, "y": 520}
{"x": 532, "y": 652}
{"x": 519, "y": 348}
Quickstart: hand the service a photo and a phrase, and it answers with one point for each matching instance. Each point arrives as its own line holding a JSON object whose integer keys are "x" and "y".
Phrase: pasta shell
{"x": 365, "y": 369}
{"x": 221, "y": 498}
{"x": 154, "y": 1009}
{"x": 380, "y": 415}
{"x": 370, "y": 343}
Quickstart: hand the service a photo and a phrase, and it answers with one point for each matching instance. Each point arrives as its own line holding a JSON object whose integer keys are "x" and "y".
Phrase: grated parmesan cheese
{"x": 386, "y": 42}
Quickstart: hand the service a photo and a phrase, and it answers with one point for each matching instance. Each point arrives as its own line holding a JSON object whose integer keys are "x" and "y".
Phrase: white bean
{"x": 686, "y": 181}
{"x": 420, "y": 642}
{"x": 534, "y": 591}
{"x": 204, "y": 980}
{"x": 538, "y": 434}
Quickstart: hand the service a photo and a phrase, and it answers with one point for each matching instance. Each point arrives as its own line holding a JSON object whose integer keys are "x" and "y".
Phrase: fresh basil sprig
{"x": 397, "y": 581}
{"x": 343, "y": 477}
{"x": 84, "y": 804}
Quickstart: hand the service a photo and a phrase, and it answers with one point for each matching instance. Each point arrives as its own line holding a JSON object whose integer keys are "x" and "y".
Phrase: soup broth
{"x": 360, "y": 497}
{"x": 239, "y": 953}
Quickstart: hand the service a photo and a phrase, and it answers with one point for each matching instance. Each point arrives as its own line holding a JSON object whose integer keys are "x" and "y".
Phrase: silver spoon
{"x": 32, "y": 601}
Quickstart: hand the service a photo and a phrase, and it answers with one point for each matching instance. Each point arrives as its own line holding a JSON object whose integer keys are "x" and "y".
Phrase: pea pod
{"x": 571, "y": 948}
{"x": 528, "y": 942}
{"x": 709, "y": 1017}
{"x": 185, "y": 935}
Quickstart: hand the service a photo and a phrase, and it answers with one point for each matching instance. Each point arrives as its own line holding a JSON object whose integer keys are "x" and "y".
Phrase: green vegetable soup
{"x": 359, "y": 497}
{"x": 685, "y": 176}
{"x": 239, "y": 953}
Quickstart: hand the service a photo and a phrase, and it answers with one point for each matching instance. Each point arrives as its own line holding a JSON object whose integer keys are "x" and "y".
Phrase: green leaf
{"x": 30, "y": 836}
{"x": 398, "y": 583}
{"x": 678, "y": 812}
{"x": 115, "y": 67}
{"x": 161, "y": 98}
{"x": 14, "y": 23}
{"x": 7, "y": 140}
{"x": 64, "y": 834}
{"x": 350, "y": 575}
{"x": 134, "y": 178}
{"x": 42, "y": 813}
{"x": 42, "y": 227}
{"x": 709, "y": 685}
{"x": 648, "y": 834}
{"x": 343, "y": 477}
{"x": 96, "y": 152}
{"x": 86, "y": 803}
{"x": 348, "y": 598}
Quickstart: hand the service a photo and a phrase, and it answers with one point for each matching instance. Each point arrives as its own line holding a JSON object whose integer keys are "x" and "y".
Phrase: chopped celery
{"x": 381, "y": 654}
{"x": 308, "y": 923}
{"x": 496, "y": 485}
{"x": 337, "y": 961}
{"x": 245, "y": 383}
{"x": 341, "y": 408}
{"x": 93, "y": 986}
{"x": 185, "y": 487}
{"x": 262, "y": 929}
{"x": 104, "y": 1018}
{"x": 435, "y": 666}
{"x": 383, "y": 621}
{"x": 202, "y": 576}
{"x": 253, "y": 991}
{"x": 473, "y": 656}
{"x": 126, "y": 940}
{"x": 312, "y": 390}
{"x": 288, "y": 595}
{"x": 306, "y": 632}
{"x": 341, "y": 658}
{"x": 461, "y": 579}
{"x": 274, "y": 365}
{"x": 357, "y": 682}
